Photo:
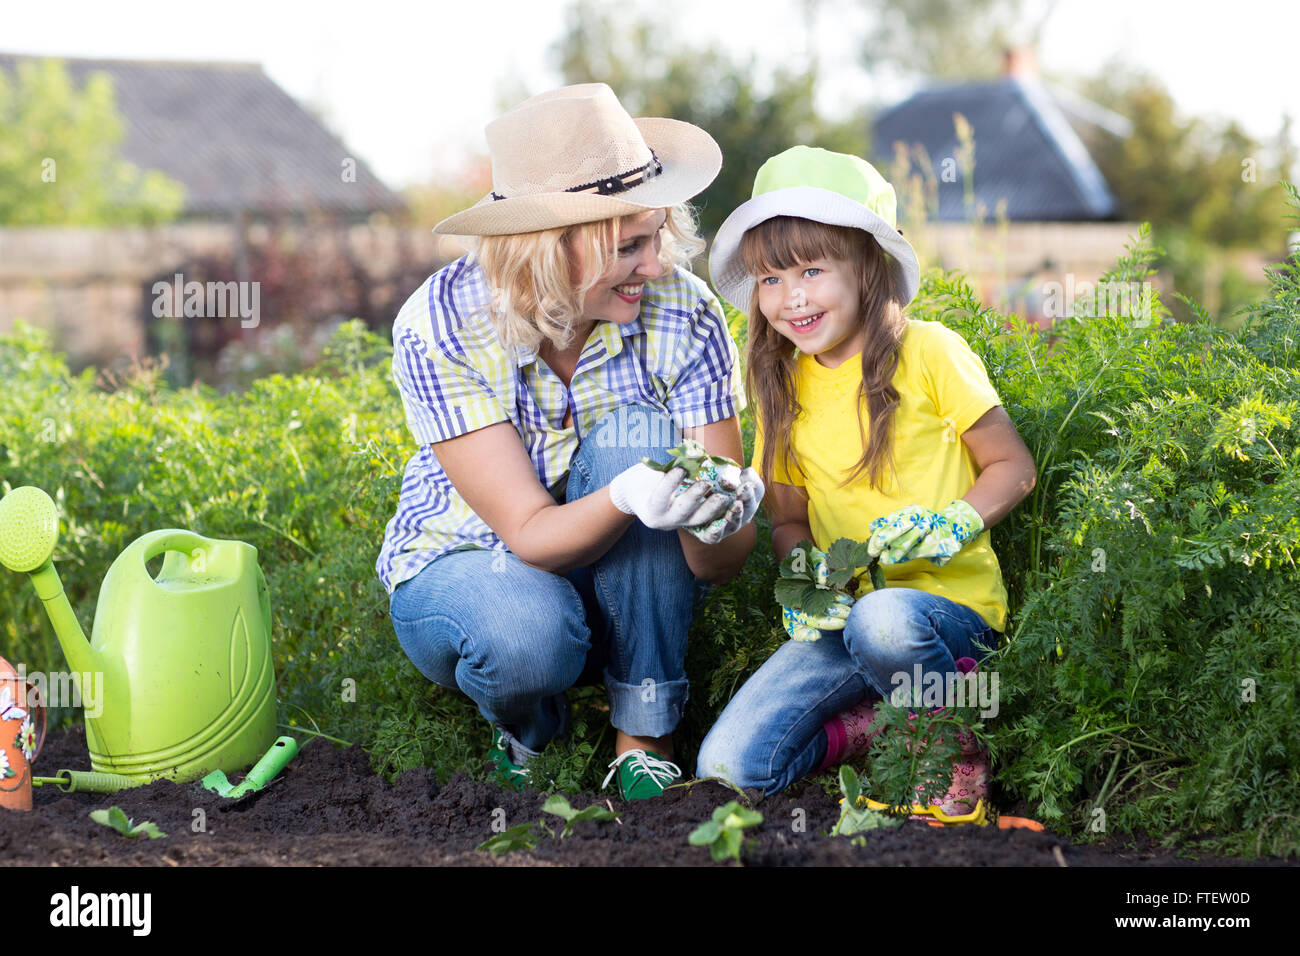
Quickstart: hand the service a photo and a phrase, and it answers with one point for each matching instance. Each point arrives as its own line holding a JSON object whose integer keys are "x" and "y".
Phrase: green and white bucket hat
{"x": 817, "y": 184}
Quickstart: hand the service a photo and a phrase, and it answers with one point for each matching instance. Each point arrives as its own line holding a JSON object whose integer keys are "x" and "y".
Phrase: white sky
{"x": 409, "y": 86}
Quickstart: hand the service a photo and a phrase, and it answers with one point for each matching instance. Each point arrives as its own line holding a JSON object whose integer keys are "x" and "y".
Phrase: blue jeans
{"x": 514, "y": 638}
{"x": 770, "y": 734}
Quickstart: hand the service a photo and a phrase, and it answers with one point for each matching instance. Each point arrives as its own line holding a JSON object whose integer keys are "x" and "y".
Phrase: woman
{"x": 530, "y": 545}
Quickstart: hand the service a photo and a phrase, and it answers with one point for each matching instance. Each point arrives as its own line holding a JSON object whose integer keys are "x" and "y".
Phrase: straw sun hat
{"x": 575, "y": 155}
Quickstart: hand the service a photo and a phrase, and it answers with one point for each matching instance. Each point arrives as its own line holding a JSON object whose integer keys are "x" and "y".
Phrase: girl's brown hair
{"x": 784, "y": 242}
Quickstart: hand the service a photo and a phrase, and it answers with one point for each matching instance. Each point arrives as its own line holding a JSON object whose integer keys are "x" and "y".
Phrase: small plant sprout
{"x": 559, "y": 806}
{"x": 522, "y": 837}
{"x": 724, "y": 833}
{"x": 117, "y": 820}
{"x": 855, "y": 816}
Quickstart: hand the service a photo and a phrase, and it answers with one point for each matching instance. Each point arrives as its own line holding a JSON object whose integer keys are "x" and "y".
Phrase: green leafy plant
{"x": 913, "y": 752}
{"x": 559, "y": 806}
{"x": 724, "y": 833}
{"x": 797, "y": 587}
{"x": 521, "y": 837}
{"x": 698, "y": 464}
{"x": 116, "y": 819}
{"x": 855, "y": 816}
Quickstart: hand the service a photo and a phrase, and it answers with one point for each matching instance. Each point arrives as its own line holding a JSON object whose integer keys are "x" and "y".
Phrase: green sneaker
{"x": 505, "y": 772}
{"x": 642, "y": 774}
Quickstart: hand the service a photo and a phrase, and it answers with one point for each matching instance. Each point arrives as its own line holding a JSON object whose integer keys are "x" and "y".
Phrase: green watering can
{"x": 183, "y": 659}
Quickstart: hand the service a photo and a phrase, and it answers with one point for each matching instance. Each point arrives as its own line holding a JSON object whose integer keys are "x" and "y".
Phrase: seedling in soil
{"x": 114, "y": 817}
{"x": 559, "y": 805}
{"x": 522, "y": 837}
{"x": 855, "y": 818}
{"x": 798, "y": 589}
{"x": 724, "y": 834}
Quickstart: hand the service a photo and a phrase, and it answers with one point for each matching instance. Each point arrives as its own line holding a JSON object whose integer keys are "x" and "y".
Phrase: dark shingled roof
{"x": 1026, "y": 151}
{"x": 232, "y": 137}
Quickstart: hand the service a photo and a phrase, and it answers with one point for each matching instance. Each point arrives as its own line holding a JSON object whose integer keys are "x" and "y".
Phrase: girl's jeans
{"x": 771, "y": 733}
{"x": 514, "y": 638}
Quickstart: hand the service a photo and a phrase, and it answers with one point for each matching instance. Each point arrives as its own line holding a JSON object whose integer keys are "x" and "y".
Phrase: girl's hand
{"x": 954, "y": 527}
{"x": 802, "y": 627}
{"x": 897, "y": 533}
{"x": 914, "y": 532}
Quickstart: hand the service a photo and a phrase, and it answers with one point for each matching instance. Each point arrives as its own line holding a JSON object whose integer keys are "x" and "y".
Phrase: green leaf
{"x": 559, "y": 805}
{"x": 816, "y": 601}
{"x": 790, "y": 593}
{"x": 522, "y": 837}
{"x": 840, "y": 554}
{"x": 705, "y": 833}
{"x": 839, "y": 579}
{"x": 116, "y": 819}
{"x": 849, "y": 785}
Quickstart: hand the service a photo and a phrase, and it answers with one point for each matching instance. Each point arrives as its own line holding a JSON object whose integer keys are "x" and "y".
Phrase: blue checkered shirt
{"x": 455, "y": 376}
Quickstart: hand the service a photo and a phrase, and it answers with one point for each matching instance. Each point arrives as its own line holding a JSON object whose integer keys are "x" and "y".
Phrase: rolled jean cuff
{"x": 648, "y": 709}
{"x": 518, "y": 754}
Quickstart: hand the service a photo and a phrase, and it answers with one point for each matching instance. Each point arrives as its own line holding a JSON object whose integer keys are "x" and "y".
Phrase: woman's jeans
{"x": 514, "y": 638}
{"x": 771, "y": 733}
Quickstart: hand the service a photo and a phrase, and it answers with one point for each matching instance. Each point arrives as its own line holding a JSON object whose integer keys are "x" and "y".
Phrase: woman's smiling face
{"x": 616, "y": 296}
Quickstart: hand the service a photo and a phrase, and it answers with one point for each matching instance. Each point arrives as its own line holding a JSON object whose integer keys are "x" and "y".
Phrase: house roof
{"x": 1026, "y": 151}
{"x": 232, "y": 137}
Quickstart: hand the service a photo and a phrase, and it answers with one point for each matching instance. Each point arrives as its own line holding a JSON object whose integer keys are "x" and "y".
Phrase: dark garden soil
{"x": 328, "y": 808}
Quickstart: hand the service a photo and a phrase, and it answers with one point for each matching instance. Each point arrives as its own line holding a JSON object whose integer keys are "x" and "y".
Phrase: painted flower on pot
{"x": 6, "y": 770}
{"x": 26, "y": 738}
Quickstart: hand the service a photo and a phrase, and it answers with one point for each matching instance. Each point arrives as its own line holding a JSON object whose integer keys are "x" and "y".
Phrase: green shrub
{"x": 1151, "y": 668}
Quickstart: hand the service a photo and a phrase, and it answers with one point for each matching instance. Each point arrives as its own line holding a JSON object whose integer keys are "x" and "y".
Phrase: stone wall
{"x": 92, "y": 287}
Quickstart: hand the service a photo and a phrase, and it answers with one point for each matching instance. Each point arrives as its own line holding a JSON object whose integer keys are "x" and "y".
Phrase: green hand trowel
{"x": 263, "y": 772}
{"x": 182, "y": 658}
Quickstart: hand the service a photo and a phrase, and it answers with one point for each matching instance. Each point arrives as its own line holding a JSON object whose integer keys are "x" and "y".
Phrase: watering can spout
{"x": 29, "y": 529}
{"x": 76, "y": 648}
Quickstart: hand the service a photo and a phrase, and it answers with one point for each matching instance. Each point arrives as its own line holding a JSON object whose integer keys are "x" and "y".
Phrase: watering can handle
{"x": 159, "y": 542}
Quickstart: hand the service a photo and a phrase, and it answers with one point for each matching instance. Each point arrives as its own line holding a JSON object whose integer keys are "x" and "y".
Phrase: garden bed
{"x": 329, "y": 808}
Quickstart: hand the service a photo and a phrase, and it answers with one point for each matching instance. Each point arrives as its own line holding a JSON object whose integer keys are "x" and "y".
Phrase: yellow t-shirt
{"x": 943, "y": 390}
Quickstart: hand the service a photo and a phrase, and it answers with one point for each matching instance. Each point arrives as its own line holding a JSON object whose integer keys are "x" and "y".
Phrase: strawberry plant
{"x": 798, "y": 586}
{"x": 559, "y": 806}
{"x": 724, "y": 833}
{"x": 114, "y": 818}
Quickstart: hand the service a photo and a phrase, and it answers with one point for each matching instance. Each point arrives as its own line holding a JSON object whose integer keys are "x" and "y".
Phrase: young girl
{"x": 873, "y": 427}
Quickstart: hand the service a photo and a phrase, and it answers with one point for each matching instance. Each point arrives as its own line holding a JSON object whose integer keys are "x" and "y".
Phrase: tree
{"x": 655, "y": 73}
{"x": 946, "y": 39}
{"x": 59, "y": 157}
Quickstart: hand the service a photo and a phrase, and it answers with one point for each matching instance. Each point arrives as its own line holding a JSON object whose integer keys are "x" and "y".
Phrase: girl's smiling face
{"x": 815, "y": 305}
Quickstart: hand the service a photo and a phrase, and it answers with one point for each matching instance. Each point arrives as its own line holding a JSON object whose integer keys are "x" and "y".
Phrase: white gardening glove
{"x": 749, "y": 494}
{"x": 648, "y": 494}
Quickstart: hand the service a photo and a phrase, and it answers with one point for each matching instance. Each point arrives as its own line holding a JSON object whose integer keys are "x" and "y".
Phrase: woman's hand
{"x": 659, "y": 501}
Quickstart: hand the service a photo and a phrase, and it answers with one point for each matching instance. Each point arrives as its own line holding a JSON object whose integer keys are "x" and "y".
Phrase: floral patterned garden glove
{"x": 955, "y": 527}
{"x": 807, "y": 628}
{"x": 915, "y": 532}
{"x": 897, "y": 533}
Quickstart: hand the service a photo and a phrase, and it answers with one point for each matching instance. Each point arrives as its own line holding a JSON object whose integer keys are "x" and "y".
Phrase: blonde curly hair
{"x": 534, "y": 295}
